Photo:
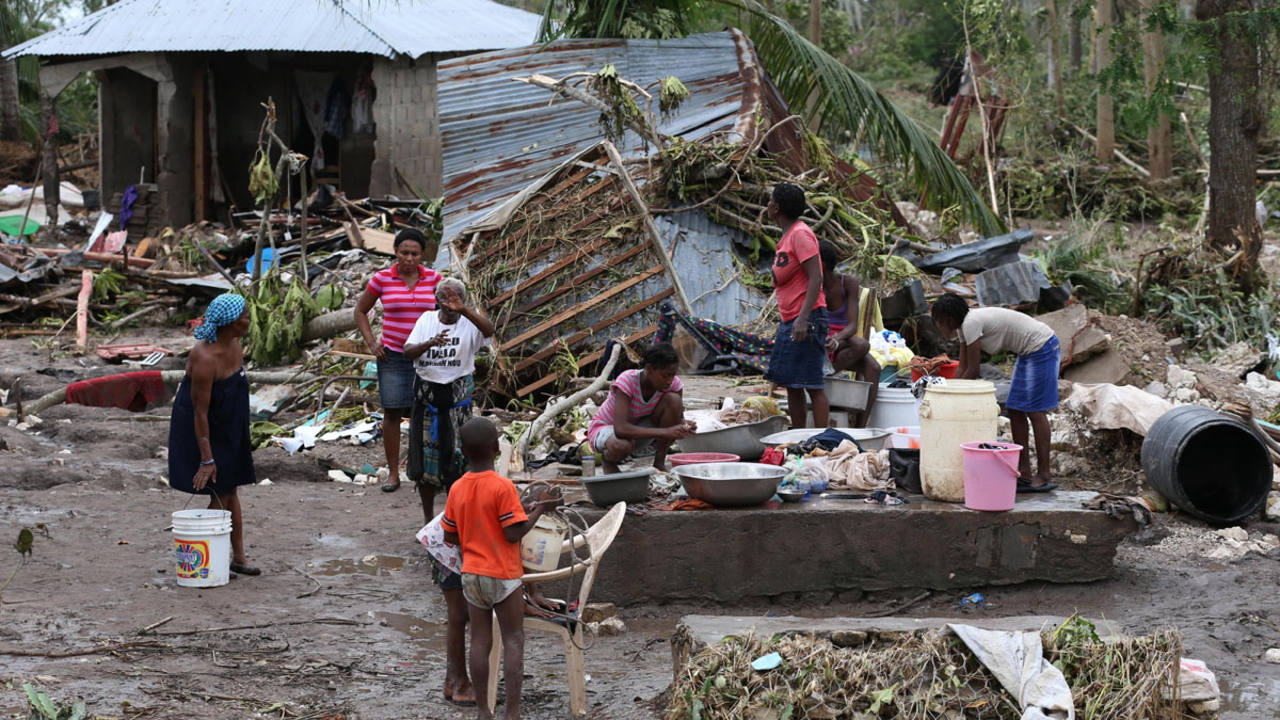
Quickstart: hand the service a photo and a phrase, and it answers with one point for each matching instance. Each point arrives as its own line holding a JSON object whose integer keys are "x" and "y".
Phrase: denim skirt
{"x": 799, "y": 364}
{"x": 395, "y": 381}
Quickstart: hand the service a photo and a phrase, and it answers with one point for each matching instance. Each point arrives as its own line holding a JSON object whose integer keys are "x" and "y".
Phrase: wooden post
{"x": 1159, "y": 135}
{"x": 201, "y": 137}
{"x": 1103, "y": 14}
{"x": 49, "y": 120}
{"x": 650, "y": 228}
{"x": 82, "y": 309}
{"x": 1055, "y": 54}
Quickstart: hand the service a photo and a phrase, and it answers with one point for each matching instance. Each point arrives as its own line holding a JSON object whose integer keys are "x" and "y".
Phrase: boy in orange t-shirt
{"x": 484, "y": 517}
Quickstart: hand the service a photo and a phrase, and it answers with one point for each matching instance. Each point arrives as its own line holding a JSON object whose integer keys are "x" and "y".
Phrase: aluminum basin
{"x": 731, "y": 484}
{"x": 868, "y": 438}
{"x": 740, "y": 440}
{"x": 628, "y": 487}
{"x": 847, "y": 394}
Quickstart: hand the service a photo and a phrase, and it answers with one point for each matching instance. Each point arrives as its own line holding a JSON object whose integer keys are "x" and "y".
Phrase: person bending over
{"x": 850, "y": 322}
{"x": 1034, "y": 391}
{"x": 644, "y": 407}
{"x": 484, "y": 517}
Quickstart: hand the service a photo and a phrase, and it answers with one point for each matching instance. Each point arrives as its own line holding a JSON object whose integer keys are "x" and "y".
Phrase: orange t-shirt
{"x": 790, "y": 281}
{"x": 480, "y": 505}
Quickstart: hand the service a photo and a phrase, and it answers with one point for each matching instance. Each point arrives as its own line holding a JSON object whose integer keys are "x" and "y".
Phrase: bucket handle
{"x": 1013, "y": 466}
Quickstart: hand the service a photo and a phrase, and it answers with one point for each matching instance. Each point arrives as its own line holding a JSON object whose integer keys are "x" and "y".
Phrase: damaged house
{"x": 568, "y": 237}
{"x": 181, "y": 84}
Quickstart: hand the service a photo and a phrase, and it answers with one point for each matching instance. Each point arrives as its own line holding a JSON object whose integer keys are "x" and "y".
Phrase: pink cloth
{"x": 401, "y": 306}
{"x": 641, "y": 407}
{"x": 132, "y": 391}
{"x": 789, "y": 279}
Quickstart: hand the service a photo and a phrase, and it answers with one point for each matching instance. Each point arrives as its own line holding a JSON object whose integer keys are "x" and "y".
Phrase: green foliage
{"x": 261, "y": 432}
{"x": 278, "y": 315}
{"x": 262, "y": 179}
{"x": 43, "y": 708}
{"x": 837, "y": 29}
{"x": 623, "y": 109}
{"x": 671, "y": 94}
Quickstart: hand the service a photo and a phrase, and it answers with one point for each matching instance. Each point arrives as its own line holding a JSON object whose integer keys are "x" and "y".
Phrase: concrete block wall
{"x": 408, "y": 127}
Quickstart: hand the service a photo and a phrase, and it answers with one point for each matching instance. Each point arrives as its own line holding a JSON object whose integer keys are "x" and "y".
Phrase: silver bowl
{"x": 740, "y": 440}
{"x": 790, "y": 494}
{"x": 731, "y": 484}
{"x": 868, "y": 438}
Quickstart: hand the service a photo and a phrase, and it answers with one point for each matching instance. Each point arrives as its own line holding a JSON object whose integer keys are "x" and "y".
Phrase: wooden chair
{"x": 598, "y": 537}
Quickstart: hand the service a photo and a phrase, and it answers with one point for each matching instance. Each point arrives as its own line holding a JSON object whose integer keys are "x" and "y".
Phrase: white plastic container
{"x": 202, "y": 547}
{"x": 958, "y": 412}
{"x": 906, "y": 437}
{"x": 540, "y": 548}
{"x": 893, "y": 407}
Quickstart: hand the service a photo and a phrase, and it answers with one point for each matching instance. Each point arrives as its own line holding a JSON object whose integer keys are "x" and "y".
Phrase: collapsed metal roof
{"x": 499, "y": 135}
{"x": 391, "y": 28}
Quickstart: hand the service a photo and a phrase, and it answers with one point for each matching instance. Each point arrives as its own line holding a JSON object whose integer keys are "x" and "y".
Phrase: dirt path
{"x": 347, "y": 619}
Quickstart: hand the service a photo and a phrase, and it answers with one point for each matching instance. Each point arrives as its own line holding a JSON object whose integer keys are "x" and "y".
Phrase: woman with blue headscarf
{"x": 209, "y": 448}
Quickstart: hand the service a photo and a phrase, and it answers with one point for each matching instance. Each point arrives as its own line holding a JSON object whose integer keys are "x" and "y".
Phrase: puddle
{"x": 1255, "y": 700}
{"x": 414, "y": 627}
{"x": 376, "y": 565}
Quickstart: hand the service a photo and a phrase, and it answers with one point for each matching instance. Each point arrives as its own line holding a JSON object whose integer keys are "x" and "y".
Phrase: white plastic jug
{"x": 540, "y": 548}
{"x": 202, "y": 547}
{"x": 958, "y": 412}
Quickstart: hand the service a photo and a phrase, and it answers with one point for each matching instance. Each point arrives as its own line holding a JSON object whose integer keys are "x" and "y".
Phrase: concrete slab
{"x": 830, "y": 546}
{"x": 695, "y": 633}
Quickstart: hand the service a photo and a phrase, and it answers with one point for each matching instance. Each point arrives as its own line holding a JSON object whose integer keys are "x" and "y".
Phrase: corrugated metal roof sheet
{"x": 382, "y": 27}
{"x": 500, "y": 135}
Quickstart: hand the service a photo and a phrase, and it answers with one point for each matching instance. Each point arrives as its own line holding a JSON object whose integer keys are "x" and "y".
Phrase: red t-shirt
{"x": 790, "y": 282}
{"x": 401, "y": 306}
{"x": 480, "y": 505}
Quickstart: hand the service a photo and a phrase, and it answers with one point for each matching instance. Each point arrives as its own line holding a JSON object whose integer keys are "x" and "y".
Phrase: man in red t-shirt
{"x": 800, "y": 345}
{"x": 484, "y": 517}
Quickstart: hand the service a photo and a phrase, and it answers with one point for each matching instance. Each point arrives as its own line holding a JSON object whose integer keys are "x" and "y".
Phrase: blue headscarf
{"x": 224, "y": 310}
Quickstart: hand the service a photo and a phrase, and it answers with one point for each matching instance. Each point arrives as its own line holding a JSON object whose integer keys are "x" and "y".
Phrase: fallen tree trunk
{"x": 329, "y": 324}
{"x": 564, "y": 403}
{"x": 171, "y": 378}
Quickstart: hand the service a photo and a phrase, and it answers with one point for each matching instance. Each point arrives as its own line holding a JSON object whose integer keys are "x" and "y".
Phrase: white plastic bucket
{"x": 202, "y": 547}
{"x": 906, "y": 437}
{"x": 540, "y": 549}
{"x": 893, "y": 407}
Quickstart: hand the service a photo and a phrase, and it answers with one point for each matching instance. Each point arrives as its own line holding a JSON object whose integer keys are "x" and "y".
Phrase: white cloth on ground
{"x": 1017, "y": 660}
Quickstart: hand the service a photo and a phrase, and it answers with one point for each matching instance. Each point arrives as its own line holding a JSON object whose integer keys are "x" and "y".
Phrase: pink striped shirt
{"x": 402, "y": 306}
{"x": 629, "y": 383}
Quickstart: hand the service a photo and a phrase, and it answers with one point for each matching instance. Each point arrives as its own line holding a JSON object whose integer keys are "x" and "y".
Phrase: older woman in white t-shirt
{"x": 442, "y": 346}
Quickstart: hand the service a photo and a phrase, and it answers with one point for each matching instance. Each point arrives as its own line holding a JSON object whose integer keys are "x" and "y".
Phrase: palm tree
{"x": 846, "y": 107}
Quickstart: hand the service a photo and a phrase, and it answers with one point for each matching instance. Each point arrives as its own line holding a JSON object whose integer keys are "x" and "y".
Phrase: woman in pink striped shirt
{"x": 644, "y": 407}
{"x": 406, "y": 290}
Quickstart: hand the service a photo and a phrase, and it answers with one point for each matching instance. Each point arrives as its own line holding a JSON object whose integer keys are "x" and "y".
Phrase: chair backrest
{"x": 599, "y": 537}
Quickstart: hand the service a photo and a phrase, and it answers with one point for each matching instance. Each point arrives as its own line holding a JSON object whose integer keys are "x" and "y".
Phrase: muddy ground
{"x": 345, "y": 618}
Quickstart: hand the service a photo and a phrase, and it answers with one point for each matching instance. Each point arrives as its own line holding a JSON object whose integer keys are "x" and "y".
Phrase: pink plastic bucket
{"x": 699, "y": 458}
{"x": 990, "y": 476}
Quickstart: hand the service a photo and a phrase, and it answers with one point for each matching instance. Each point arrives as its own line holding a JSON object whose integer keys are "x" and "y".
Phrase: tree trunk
{"x": 1159, "y": 136}
{"x": 1234, "y": 123}
{"x": 10, "y": 119}
{"x": 1103, "y": 13}
{"x": 1055, "y": 54}
{"x": 815, "y": 22}
{"x": 1075, "y": 44}
{"x": 49, "y": 129}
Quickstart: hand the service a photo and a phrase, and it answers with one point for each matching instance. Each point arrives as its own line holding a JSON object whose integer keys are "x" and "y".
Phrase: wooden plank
{"x": 650, "y": 227}
{"x": 576, "y": 338}
{"x": 567, "y": 182}
{"x": 560, "y": 265}
{"x": 593, "y": 357}
{"x": 379, "y": 241}
{"x": 579, "y": 280}
{"x": 580, "y": 308}
{"x": 201, "y": 137}
{"x": 528, "y": 227}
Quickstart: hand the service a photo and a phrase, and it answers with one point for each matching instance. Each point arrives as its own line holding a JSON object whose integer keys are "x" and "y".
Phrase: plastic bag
{"x": 432, "y": 537}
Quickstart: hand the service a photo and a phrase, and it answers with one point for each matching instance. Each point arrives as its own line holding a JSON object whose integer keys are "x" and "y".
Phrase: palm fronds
{"x": 846, "y": 105}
